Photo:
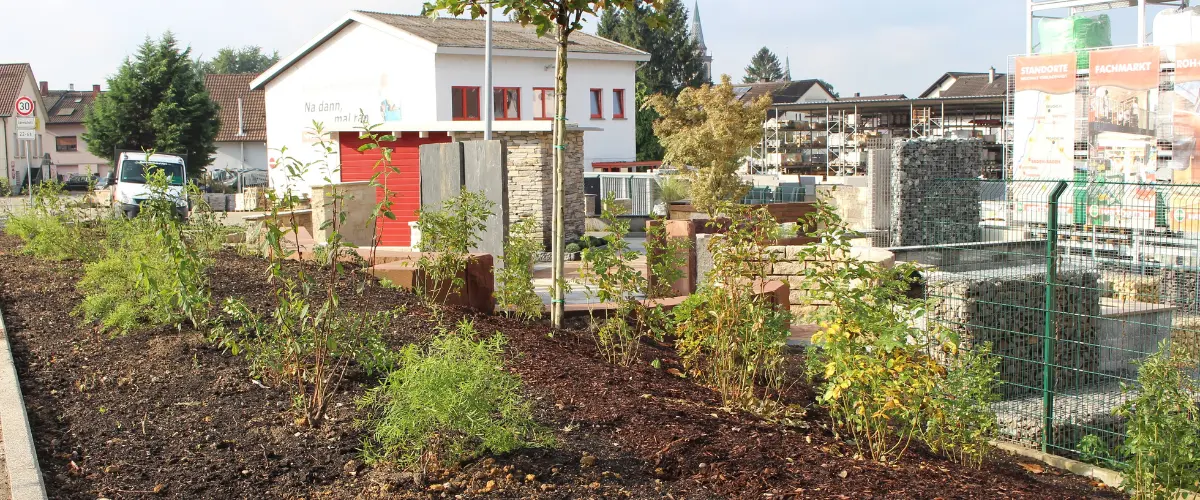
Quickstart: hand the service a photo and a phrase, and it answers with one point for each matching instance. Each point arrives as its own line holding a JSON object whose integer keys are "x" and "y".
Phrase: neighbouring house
{"x": 65, "y": 129}
{"x": 420, "y": 79}
{"x": 16, "y": 82}
{"x": 242, "y": 139}
{"x": 965, "y": 84}
{"x": 785, "y": 92}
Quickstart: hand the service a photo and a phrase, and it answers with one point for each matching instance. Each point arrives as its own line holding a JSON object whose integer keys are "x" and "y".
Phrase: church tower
{"x": 698, "y": 37}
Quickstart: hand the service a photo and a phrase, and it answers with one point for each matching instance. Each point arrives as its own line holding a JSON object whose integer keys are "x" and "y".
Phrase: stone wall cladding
{"x": 926, "y": 211}
{"x": 531, "y": 174}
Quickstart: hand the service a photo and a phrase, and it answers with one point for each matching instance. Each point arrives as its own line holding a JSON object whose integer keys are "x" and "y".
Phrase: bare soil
{"x": 162, "y": 412}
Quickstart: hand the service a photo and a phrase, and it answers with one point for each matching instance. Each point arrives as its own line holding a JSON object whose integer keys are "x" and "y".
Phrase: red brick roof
{"x": 12, "y": 76}
{"x": 225, "y": 90}
{"x": 67, "y": 106}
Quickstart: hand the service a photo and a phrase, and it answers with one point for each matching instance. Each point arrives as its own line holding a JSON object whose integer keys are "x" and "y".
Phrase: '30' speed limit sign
{"x": 24, "y": 106}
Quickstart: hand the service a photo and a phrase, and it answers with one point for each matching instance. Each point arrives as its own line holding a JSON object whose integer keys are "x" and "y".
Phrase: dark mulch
{"x": 163, "y": 411}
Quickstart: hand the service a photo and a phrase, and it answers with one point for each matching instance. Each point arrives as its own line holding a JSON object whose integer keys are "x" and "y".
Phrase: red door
{"x": 402, "y": 178}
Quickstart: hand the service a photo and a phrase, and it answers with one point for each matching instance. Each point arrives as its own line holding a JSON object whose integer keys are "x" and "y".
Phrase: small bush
{"x": 447, "y": 235}
{"x": 52, "y": 228}
{"x": 446, "y": 404}
{"x": 515, "y": 294}
{"x": 729, "y": 337}
{"x": 1162, "y": 428}
{"x": 5, "y": 187}
{"x": 573, "y": 248}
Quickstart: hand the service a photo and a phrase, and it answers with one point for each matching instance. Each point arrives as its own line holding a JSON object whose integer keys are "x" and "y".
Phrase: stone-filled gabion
{"x": 1005, "y": 307}
{"x": 1076, "y": 414}
{"x": 928, "y": 208}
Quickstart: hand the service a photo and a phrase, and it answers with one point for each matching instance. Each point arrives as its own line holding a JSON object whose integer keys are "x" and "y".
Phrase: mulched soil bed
{"x": 164, "y": 412}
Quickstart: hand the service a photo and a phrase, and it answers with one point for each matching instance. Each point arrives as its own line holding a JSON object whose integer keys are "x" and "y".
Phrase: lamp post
{"x": 488, "y": 96}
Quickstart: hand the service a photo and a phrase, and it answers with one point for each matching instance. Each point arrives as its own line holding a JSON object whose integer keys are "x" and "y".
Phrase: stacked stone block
{"x": 928, "y": 209}
{"x": 531, "y": 174}
{"x": 1006, "y": 308}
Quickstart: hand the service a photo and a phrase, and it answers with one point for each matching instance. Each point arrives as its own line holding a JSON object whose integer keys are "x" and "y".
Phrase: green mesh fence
{"x": 1072, "y": 283}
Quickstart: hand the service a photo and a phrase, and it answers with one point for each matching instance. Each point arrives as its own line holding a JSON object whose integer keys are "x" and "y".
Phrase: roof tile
{"x": 455, "y": 32}
{"x": 11, "y": 78}
{"x": 225, "y": 91}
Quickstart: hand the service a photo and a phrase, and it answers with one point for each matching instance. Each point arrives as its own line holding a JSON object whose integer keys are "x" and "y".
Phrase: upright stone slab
{"x": 442, "y": 172}
{"x": 487, "y": 172}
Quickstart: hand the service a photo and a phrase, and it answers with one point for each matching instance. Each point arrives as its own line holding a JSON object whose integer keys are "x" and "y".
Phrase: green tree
{"x": 707, "y": 131}
{"x": 564, "y": 17}
{"x": 248, "y": 59}
{"x": 674, "y": 64}
{"x": 155, "y": 101}
{"x": 764, "y": 67}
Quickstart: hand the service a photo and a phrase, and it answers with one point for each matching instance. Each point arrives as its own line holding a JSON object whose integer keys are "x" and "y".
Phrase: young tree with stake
{"x": 563, "y": 17}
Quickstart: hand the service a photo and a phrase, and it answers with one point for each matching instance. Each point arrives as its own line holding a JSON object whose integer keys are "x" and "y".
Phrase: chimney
{"x": 991, "y": 74}
{"x": 45, "y": 88}
{"x": 96, "y": 90}
{"x": 241, "y": 122}
{"x": 858, "y": 94}
{"x": 70, "y": 87}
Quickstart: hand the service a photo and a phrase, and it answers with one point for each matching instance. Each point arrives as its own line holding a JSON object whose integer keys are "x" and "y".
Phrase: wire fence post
{"x": 1048, "y": 336}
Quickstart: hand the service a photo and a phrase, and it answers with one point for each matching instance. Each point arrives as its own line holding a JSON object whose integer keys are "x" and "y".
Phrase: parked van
{"x": 128, "y": 179}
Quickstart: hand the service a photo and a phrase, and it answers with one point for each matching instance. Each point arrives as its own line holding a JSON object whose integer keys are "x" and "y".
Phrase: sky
{"x": 866, "y": 46}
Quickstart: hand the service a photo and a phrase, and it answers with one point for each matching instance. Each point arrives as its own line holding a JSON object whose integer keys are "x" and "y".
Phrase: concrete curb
{"x": 1110, "y": 478}
{"x": 24, "y": 474}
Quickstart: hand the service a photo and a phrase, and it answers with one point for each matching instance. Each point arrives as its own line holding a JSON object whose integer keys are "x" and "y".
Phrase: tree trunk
{"x": 560, "y": 160}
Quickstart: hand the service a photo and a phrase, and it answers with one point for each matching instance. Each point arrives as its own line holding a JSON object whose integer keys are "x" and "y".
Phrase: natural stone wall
{"x": 927, "y": 209}
{"x": 356, "y": 200}
{"x": 531, "y": 174}
{"x": 1005, "y": 307}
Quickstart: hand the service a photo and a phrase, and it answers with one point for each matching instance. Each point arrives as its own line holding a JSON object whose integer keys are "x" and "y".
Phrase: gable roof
{"x": 225, "y": 90}
{"x": 977, "y": 85}
{"x": 68, "y": 106}
{"x": 881, "y": 97}
{"x": 12, "y": 77}
{"x": 449, "y": 34}
{"x": 782, "y": 92}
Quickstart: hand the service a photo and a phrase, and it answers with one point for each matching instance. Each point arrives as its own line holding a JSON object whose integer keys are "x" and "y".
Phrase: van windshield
{"x": 134, "y": 171}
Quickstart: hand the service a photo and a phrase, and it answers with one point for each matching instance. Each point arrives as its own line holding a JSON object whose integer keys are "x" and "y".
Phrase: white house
{"x": 421, "y": 77}
{"x": 242, "y": 138}
{"x": 17, "y": 82}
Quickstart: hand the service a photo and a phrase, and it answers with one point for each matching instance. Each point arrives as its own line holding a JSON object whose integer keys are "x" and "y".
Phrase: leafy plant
{"x": 515, "y": 294}
{"x": 5, "y": 187}
{"x": 447, "y": 235}
{"x": 1162, "y": 428}
{"x": 672, "y": 189}
{"x": 730, "y": 337}
{"x": 665, "y": 259}
{"x": 884, "y": 381}
{"x": 447, "y": 403}
{"x": 53, "y": 228}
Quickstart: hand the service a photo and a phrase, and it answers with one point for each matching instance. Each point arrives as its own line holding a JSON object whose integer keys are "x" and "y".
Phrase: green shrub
{"x": 447, "y": 235}
{"x": 883, "y": 381}
{"x": 573, "y": 248}
{"x": 665, "y": 259}
{"x": 729, "y": 337}
{"x": 448, "y": 403}
{"x": 5, "y": 187}
{"x": 515, "y": 293}
{"x": 1162, "y": 428}
{"x": 53, "y": 228}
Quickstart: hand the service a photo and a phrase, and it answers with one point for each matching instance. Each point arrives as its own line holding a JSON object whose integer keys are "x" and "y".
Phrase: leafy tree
{"x": 674, "y": 63}
{"x": 829, "y": 86}
{"x": 156, "y": 101}
{"x": 248, "y": 59}
{"x": 564, "y": 17}
{"x": 764, "y": 67}
{"x": 707, "y": 131}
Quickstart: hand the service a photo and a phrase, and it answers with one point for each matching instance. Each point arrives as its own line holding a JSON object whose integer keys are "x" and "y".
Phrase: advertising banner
{"x": 1121, "y": 139}
{"x": 1044, "y": 129}
{"x": 1185, "y": 121}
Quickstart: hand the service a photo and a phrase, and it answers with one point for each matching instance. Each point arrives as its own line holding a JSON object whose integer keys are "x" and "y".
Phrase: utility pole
{"x": 488, "y": 95}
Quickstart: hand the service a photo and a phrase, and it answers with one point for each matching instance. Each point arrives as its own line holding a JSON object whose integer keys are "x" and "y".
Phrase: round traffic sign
{"x": 24, "y": 106}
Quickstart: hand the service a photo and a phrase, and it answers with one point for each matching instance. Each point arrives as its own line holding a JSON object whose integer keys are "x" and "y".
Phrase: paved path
{"x": 4, "y": 491}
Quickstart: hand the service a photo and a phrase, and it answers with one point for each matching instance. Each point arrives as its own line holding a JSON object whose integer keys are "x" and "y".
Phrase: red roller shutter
{"x": 404, "y": 183}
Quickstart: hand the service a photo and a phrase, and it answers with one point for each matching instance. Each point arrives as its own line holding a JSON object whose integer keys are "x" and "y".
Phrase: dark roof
{"x": 454, "y": 32}
{"x": 67, "y": 106}
{"x": 977, "y": 85}
{"x": 12, "y": 76}
{"x": 781, "y": 92}
{"x": 881, "y": 97}
{"x": 225, "y": 91}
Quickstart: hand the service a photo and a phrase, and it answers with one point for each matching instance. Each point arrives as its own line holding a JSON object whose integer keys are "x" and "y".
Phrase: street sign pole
{"x": 29, "y": 169}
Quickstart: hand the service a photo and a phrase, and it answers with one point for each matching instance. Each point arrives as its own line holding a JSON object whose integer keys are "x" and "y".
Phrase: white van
{"x": 128, "y": 181}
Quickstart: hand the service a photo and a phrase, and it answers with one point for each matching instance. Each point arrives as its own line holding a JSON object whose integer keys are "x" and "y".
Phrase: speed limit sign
{"x": 24, "y": 106}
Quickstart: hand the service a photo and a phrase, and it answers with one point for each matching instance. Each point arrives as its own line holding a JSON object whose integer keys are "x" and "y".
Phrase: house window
{"x": 506, "y": 101}
{"x": 465, "y": 103}
{"x": 597, "y": 103}
{"x": 543, "y": 103}
{"x": 618, "y": 103}
{"x": 66, "y": 143}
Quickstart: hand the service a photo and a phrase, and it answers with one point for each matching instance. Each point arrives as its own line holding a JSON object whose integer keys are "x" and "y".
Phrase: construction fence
{"x": 1072, "y": 283}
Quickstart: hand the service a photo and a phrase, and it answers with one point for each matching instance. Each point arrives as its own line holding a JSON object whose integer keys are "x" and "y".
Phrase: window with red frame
{"x": 597, "y": 103}
{"x": 464, "y": 103}
{"x": 618, "y": 103}
{"x": 506, "y": 101}
{"x": 543, "y": 103}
